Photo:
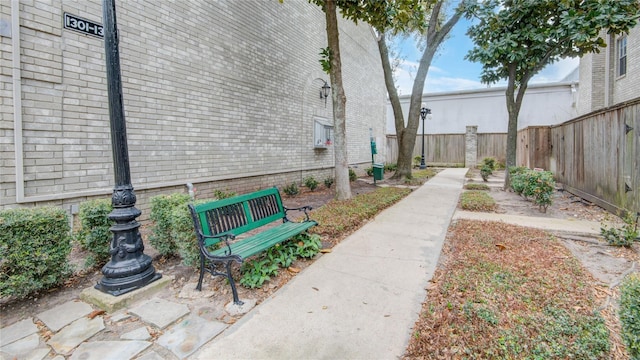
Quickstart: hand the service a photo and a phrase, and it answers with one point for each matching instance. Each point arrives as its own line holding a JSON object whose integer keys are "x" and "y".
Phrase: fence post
{"x": 471, "y": 147}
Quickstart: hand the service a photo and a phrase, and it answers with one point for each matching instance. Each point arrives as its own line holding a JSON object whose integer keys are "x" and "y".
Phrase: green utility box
{"x": 378, "y": 171}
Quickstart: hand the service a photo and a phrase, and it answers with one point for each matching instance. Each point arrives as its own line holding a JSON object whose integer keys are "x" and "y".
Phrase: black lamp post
{"x": 129, "y": 268}
{"x": 423, "y": 115}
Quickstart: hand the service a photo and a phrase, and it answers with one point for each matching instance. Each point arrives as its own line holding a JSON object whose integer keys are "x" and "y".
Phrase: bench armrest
{"x": 303, "y": 209}
{"x": 224, "y": 237}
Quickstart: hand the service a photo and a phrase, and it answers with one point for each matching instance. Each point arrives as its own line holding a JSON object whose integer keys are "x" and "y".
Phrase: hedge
{"x": 34, "y": 246}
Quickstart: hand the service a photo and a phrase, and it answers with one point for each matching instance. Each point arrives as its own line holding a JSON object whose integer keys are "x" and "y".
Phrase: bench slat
{"x": 254, "y": 244}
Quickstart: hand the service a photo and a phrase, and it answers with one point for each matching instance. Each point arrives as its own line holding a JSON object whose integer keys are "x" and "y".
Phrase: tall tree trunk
{"x": 514, "y": 102}
{"x": 343, "y": 187}
{"x": 404, "y": 146}
{"x": 406, "y": 135}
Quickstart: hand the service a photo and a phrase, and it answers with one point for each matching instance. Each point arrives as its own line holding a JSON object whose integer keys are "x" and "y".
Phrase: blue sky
{"x": 449, "y": 70}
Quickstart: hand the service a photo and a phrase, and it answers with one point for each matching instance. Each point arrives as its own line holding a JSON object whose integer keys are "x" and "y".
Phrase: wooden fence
{"x": 534, "y": 147}
{"x": 597, "y": 156}
{"x": 449, "y": 149}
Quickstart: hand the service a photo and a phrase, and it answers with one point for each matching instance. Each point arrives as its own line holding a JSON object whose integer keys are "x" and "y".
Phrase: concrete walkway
{"x": 361, "y": 300}
{"x": 572, "y": 226}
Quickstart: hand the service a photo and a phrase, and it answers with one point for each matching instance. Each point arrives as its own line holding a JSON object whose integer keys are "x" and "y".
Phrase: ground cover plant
{"x": 338, "y": 217}
{"x": 477, "y": 200}
{"x": 623, "y": 236}
{"x": 476, "y": 186}
{"x": 508, "y": 292}
{"x": 630, "y": 314}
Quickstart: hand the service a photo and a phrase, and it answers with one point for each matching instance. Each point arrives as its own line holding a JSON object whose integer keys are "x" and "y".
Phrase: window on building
{"x": 622, "y": 56}
{"x": 323, "y": 133}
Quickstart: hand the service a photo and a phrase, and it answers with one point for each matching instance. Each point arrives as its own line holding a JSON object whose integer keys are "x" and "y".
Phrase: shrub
{"x": 621, "y": 237}
{"x": 311, "y": 183}
{"x": 475, "y": 186}
{"x": 219, "y": 194}
{"x": 630, "y": 314}
{"x": 328, "y": 182}
{"x": 184, "y": 235}
{"x": 352, "y": 175}
{"x": 94, "y": 234}
{"x": 417, "y": 160}
{"x": 489, "y": 162}
{"x": 485, "y": 171}
{"x": 369, "y": 171}
{"x": 291, "y": 190}
{"x": 390, "y": 167}
{"x": 162, "y": 207}
{"x": 537, "y": 185}
{"x": 476, "y": 200}
{"x": 34, "y": 246}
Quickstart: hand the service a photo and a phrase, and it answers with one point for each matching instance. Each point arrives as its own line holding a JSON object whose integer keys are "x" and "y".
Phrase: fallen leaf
{"x": 315, "y": 288}
{"x": 95, "y": 313}
{"x": 325, "y": 251}
{"x": 293, "y": 269}
{"x": 501, "y": 247}
{"x": 325, "y": 307}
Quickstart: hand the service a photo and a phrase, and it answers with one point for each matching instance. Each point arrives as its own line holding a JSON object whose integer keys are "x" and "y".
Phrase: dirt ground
{"x": 608, "y": 264}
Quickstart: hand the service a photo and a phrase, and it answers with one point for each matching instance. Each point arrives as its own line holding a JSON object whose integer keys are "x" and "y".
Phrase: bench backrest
{"x": 240, "y": 214}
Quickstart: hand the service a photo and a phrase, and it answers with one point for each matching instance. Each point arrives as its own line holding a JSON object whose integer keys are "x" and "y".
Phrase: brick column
{"x": 471, "y": 147}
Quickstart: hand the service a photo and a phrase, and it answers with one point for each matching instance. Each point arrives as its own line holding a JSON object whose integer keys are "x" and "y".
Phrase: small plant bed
{"x": 476, "y": 186}
{"x": 338, "y": 218}
{"x": 477, "y": 200}
{"x": 508, "y": 292}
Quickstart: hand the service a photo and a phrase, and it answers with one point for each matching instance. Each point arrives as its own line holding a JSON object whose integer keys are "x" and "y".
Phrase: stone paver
{"x": 152, "y": 355}
{"x": 63, "y": 315}
{"x": 137, "y": 334}
{"x": 22, "y": 346}
{"x": 189, "y": 335}
{"x": 17, "y": 331}
{"x": 109, "y": 350}
{"x": 159, "y": 312}
{"x": 74, "y": 334}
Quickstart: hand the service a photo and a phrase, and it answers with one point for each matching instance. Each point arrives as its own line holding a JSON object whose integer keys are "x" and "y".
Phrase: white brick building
{"x": 222, "y": 94}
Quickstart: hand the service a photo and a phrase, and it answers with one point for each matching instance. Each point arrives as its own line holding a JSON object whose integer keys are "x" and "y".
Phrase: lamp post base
{"x": 119, "y": 286}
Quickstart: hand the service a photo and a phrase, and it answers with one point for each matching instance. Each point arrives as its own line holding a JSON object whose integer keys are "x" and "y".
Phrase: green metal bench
{"x": 217, "y": 223}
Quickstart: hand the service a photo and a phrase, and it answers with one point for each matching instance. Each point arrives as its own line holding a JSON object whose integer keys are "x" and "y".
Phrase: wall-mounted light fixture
{"x": 324, "y": 92}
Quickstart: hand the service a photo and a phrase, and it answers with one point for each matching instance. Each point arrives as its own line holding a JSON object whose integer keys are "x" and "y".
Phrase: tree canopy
{"x": 521, "y": 37}
{"x": 515, "y": 39}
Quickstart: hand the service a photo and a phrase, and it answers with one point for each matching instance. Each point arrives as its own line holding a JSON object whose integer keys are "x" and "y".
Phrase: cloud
{"x": 444, "y": 83}
{"x": 440, "y": 79}
{"x": 557, "y": 71}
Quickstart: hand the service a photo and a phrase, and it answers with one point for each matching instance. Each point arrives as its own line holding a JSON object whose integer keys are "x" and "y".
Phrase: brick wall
{"x": 595, "y": 93}
{"x": 220, "y": 94}
{"x": 627, "y": 87}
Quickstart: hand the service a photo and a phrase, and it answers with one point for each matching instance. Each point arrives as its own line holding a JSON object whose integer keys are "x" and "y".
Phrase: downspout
{"x": 607, "y": 64}
{"x": 17, "y": 100}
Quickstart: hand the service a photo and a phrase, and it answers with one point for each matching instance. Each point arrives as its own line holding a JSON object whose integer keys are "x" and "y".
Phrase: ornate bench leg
{"x": 233, "y": 285}
{"x": 199, "y": 287}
